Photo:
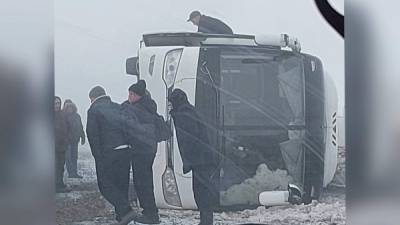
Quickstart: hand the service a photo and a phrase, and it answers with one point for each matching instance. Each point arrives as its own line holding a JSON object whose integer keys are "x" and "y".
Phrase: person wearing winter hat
{"x": 137, "y": 91}
{"x": 141, "y": 106}
{"x": 75, "y": 134}
{"x": 198, "y": 155}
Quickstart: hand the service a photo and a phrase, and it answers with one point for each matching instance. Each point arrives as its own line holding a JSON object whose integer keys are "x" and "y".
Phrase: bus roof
{"x": 203, "y": 39}
{"x": 197, "y": 39}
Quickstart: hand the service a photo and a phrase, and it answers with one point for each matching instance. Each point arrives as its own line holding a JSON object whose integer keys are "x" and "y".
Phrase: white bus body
{"x": 184, "y": 60}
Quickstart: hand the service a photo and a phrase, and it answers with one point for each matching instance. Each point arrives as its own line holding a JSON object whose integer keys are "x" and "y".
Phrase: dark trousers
{"x": 142, "y": 164}
{"x": 205, "y": 187}
{"x": 112, "y": 171}
{"x": 71, "y": 159}
{"x": 313, "y": 177}
{"x": 59, "y": 164}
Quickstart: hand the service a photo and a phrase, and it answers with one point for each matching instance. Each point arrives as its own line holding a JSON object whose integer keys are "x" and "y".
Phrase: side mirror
{"x": 132, "y": 66}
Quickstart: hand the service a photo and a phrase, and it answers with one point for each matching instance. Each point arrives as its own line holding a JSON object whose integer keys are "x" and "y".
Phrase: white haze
{"x": 94, "y": 37}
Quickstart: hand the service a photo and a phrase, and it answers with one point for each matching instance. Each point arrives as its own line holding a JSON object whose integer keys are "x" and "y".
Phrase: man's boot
{"x": 148, "y": 219}
{"x": 127, "y": 218}
{"x": 206, "y": 218}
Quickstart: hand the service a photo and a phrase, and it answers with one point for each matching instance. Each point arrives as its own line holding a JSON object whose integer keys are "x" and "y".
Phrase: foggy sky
{"x": 94, "y": 37}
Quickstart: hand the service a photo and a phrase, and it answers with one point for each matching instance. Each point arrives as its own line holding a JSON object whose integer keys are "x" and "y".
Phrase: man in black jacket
{"x": 111, "y": 152}
{"x": 141, "y": 106}
{"x": 207, "y": 24}
{"x": 197, "y": 154}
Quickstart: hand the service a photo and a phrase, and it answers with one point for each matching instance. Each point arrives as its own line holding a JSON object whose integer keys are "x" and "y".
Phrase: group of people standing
{"x": 121, "y": 136}
{"x": 68, "y": 134}
{"x": 124, "y": 135}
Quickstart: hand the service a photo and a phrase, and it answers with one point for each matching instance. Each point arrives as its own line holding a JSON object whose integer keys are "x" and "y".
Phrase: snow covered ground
{"x": 85, "y": 206}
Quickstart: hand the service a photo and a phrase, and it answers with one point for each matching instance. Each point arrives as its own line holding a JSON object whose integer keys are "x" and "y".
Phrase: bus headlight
{"x": 171, "y": 64}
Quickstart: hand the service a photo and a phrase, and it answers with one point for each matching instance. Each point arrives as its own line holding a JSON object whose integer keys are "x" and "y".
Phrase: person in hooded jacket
{"x": 141, "y": 106}
{"x": 197, "y": 154}
{"x": 75, "y": 135}
{"x": 61, "y": 142}
{"x": 208, "y": 24}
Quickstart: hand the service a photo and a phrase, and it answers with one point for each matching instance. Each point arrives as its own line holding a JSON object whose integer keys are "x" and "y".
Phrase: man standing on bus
{"x": 197, "y": 154}
{"x": 208, "y": 24}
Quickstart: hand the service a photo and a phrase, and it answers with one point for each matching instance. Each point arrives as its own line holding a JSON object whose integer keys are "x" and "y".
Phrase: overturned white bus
{"x": 271, "y": 112}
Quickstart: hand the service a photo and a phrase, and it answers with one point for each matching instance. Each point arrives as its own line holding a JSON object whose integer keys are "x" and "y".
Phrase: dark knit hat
{"x": 139, "y": 88}
{"x": 97, "y": 92}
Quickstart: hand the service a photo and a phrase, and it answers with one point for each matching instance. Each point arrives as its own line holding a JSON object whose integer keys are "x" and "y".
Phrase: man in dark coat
{"x": 61, "y": 137}
{"x": 207, "y": 24}
{"x": 197, "y": 154}
{"x": 75, "y": 135}
{"x": 144, "y": 108}
{"x": 111, "y": 152}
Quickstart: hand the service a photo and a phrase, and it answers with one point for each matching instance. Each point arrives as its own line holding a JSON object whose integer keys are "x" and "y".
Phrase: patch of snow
{"x": 247, "y": 192}
{"x": 331, "y": 209}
